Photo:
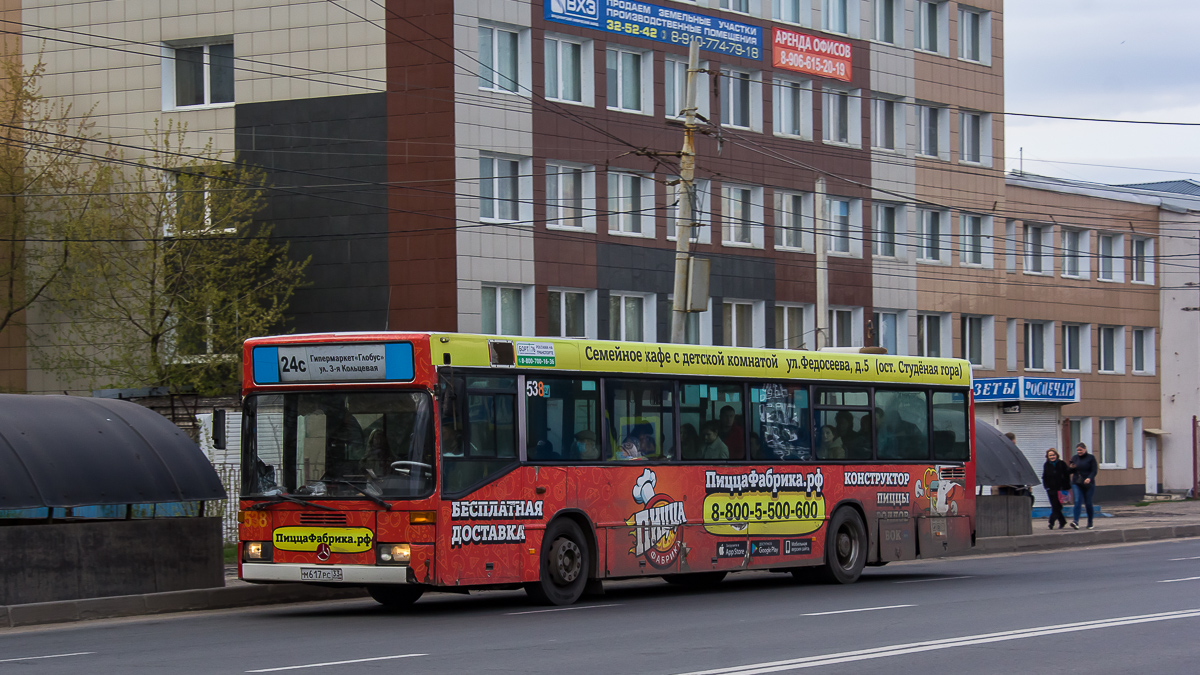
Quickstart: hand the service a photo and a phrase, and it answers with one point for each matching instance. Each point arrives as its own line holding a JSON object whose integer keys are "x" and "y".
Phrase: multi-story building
{"x": 509, "y": 166}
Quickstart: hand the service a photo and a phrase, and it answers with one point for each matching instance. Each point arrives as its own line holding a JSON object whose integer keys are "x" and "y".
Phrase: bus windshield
{"x": 338, "y": 444}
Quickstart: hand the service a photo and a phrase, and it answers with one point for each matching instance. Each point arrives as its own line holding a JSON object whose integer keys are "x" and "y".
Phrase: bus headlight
{"x": 257, "y": 551}
{"x": 393, "y": 554}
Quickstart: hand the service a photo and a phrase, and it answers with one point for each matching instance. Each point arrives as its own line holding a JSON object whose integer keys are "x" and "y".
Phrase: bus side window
{"x": 712, "y": 422}
{"x": 779, "y": 423}
{"x": 640, "y": 416}
{"x": 902, "y": 424}
{"x": 950, "y": 440}
{"x": 562, "y": 419}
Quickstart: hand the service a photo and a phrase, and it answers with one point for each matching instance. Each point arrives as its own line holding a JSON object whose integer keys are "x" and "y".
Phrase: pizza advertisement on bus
{"x": 769, "y": 502}
{"x": 656, "y": 527}
{"x": 813, "y": 55}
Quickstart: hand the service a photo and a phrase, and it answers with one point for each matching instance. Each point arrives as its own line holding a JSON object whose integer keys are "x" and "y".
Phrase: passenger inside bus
{"x": 689, "y": 442}
{"x": 711, "y": 446}
{"x": 732, "y": 433}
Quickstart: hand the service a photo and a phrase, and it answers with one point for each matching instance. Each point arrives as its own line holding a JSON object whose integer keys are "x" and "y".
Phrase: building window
{"x": 1073, "y": 342}
{"x": 567, "y": 312}
{"x": 929, "y": 335}
{"x": 972, "y": 238}
{"x": 887, "y": 330}
{"x": 792, "y": 11}
{"x": 1112, "y": 349}
{"x": 887, "y": 120}
{"x": 1112, "y": 442}
{"x": 793, "y": 101}
{"x": 1111, "y": 264}
{"x": 842, "y": 121}
{"x": 741, "y": 209}
{"x": 931, "y": 26}
{"x": 570, "y": 194}
{"x": 931, "y": 236}
{"x": 884, "y": 243}
{"x": 627, "y": 77}
{"x": 742, "y": 6}
{"x": 701, "y": 211}
{"x": 499, "y": 59}
{"x": 197, "y": 75}
{"x": 675, "y": 88}
{"x": 1039, "y": 249}
{"x": 739, "y": 323}
{"x": 886, "y": 15}
{"x": 835, "y": 16}
{"x": 740, "y": 99}
{"x": 631, "y": 317}
{"x": 843, "y": 329}
{"x": 1143, "y": 351}
{"x": 1075, "y": 254}
{"x": 1037, "y": 336}
{"x": 972, "y": 137}
{"x": 793, "y": 221}
{"x": 630, "y": 204}
{"x": 838, "y": 214}
{"x": 790, "y": 331}
{"x": 930, "y": 121}
{"x": 978, "y": 341}
{"x": 501, "y": 310}
{"x": 1142, "y": 261}
{"x": 566, "y": 62}
{"x": 973, "y": 34}
{"x": 499, "y": 188}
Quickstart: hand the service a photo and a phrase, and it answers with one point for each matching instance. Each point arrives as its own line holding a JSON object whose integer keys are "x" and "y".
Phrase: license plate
{"x": 320, "y": 574}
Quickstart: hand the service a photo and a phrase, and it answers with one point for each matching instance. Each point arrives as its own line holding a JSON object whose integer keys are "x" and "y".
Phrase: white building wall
{"x": 1179, "y": 350}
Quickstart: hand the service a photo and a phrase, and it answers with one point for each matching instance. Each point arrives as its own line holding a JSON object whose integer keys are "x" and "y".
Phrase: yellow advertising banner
{"x": 339, "y": 539}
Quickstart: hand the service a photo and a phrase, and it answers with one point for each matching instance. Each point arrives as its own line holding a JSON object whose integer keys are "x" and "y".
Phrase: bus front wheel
{"x": 564, "y": 565}
{"x": 845, "y": 547}
{"x": 395, "y": 597}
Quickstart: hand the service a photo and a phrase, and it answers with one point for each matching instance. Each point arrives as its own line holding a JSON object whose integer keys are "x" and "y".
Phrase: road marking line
{"x": 1171, "y": 581}
{"x": 50, "y": 656}
{"x": 1195, "y": 557}
{"x": 863, "y": 609}
{"x": 947, "y": 643}
{"x": 921, "y": 581}
{"x": 334, "y": 663}
{"x": 562, "y": 609}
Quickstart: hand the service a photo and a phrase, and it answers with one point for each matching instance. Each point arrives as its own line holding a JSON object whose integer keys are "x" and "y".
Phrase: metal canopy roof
{"x": 67, "y": 451}
{"x": 998, "y": 461}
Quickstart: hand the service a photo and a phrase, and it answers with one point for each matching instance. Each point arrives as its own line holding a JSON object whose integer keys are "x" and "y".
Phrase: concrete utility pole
{"x": 819, "y": 226}
{"x": 686, "y": 194}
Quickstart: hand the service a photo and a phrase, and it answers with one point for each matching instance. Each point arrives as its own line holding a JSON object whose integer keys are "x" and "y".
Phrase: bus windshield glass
{"x": 338, "y": 444}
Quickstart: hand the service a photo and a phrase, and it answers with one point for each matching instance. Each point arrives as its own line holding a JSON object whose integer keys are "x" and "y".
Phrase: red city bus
{"x": 412, "y": 462}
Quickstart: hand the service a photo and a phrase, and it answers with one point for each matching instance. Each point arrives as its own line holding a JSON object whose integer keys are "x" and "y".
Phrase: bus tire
{"x": 564, "y": 565}
{"x": 695, "y": 579}
{"x": 845, "y": 547}
{"x": 395, "y": 597}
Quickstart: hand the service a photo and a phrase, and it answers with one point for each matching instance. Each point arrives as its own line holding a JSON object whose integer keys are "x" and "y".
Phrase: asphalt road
{"x": 1115, "y": 609}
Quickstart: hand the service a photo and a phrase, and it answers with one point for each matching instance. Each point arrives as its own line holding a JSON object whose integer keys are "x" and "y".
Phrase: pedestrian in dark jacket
{"x": 1083, "y": 482}
{"x": 1056, "y": 475}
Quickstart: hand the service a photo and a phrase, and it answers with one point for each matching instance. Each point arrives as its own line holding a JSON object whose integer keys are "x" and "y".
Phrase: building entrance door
{"x": 1151, "y": 465}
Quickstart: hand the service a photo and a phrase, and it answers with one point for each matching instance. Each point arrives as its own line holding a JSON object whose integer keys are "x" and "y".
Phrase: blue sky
{"x": 1105, "y": 59}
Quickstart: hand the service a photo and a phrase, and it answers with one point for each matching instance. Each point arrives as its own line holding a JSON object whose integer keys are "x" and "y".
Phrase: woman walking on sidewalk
{"x": 1083, "y": 482}
{"x": 1056, "y": 476}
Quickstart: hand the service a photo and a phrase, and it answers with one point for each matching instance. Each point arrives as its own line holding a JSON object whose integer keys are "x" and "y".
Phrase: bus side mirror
{"x": 218, "y": 429}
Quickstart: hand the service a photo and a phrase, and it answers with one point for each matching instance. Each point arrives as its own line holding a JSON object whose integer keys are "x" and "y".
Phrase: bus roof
{"x": 582, "y": 355}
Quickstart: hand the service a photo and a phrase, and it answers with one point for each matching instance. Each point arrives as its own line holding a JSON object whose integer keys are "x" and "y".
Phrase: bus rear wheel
{"x": 845, "y": 548}
{"x": 564, "y": 565}
{"x": 695, "y": 579}
{"x": 395, "y": 597}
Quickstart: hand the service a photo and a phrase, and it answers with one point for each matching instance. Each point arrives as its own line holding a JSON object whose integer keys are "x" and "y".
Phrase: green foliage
{"x": 176, "y": 276}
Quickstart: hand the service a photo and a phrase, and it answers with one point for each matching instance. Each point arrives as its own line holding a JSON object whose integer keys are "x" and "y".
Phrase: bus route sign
{"x": 661, "y": 24}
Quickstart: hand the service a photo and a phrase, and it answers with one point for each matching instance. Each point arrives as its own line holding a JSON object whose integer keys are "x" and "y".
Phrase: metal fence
{"x": 231, "y": 477}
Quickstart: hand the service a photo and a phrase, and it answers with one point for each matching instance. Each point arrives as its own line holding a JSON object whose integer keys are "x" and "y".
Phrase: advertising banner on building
{"x": 1045, "y": 389}
{"x": 812, "y": 54}
{"x": 661, "y": 24}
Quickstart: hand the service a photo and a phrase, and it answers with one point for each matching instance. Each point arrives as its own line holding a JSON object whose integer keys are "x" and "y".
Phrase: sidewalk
{"x": 1129, "y": 523}
{"x": 1156, "y": 521}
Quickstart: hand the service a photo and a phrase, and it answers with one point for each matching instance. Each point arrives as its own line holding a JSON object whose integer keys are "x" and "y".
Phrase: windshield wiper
{"x": 276, "y": 499}
{"x": 361, "y": 491}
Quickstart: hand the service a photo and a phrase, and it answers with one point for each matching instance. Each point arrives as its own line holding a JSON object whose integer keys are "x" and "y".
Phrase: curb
{"x": 1061, "y": 540}
{"x": 34, "y": 614}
